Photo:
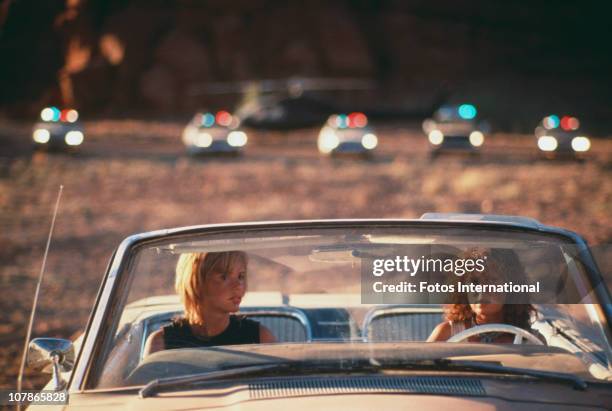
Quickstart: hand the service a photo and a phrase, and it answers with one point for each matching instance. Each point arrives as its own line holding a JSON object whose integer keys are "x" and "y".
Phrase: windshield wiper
{"x": 157, "y": 385}
{"x": 361, "y": 365}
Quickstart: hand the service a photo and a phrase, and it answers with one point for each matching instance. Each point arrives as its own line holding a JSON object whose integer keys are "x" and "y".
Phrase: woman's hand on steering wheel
{"x": 519, "y": 333}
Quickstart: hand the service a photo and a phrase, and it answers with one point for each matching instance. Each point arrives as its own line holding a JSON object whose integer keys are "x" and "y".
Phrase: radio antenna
{"x": 40, "y": 277}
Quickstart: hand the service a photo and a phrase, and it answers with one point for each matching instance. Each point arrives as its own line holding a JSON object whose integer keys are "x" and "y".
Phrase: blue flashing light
{"x": 551, "y": 122}
{"x": 467, "y": 111}
{"x": 56, "y": 114}
{"x": 208, "y": 120}
{"x": 342, "y": 121}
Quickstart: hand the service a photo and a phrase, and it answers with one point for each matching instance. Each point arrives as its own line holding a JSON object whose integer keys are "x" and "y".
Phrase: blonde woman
{"x": 211, "y": 286}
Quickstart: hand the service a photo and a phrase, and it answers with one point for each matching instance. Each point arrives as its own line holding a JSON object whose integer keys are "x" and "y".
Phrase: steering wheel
{"x": 519, "y": 333}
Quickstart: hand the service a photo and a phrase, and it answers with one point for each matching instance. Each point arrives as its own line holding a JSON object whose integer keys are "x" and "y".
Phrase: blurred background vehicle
{"x": 58, "y": 130}
{"x": 347, "y": 134}
{"x": 283, "y": 103}
{"x": 210, "y": 133}
{"x": 562, "y": 137}
{"x": 455, "y": 128}
{"x": 274, "y": 112}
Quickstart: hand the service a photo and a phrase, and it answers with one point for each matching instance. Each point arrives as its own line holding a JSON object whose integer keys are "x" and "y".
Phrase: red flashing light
{"x": 565, "y": 123}
{"x": 574, "y": 123}
{"x": 569, "y": 123}
{"x": 223, "y": 118}
{"x": 358, "y": 120}
{"x": 64, "y": 115}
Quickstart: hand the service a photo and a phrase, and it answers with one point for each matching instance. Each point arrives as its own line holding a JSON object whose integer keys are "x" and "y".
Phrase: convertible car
{"x": 342, "y": 341}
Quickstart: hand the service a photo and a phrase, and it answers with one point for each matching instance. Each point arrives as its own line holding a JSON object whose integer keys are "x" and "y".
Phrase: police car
{"x": 347, "y": 134}
{"x": 210, "y": 133}
{"x": 58, "y": 129}
{"x": 455, "y": 128}
{"x": 561, "y": 136}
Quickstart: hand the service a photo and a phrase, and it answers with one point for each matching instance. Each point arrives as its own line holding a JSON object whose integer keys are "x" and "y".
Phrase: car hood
{"x": 193, "y": 361}
{"x": 265, "y": 394}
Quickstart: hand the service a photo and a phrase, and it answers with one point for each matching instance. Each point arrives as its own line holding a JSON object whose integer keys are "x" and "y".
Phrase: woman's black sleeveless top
{"x": 239, "y": 331}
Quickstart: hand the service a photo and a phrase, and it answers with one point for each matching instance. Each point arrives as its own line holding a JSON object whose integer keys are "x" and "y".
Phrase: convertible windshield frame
{"x": 112, "y": 295}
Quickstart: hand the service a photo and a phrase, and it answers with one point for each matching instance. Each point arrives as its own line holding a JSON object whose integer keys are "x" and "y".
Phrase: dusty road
{"x": 132, "y": 176}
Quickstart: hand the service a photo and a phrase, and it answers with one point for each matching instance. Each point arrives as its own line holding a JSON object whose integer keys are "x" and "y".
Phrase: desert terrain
{"x": 133, "y": 176}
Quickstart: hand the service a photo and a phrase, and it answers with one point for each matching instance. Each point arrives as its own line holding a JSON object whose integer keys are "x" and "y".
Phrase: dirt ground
{"x": 132, "y": 176}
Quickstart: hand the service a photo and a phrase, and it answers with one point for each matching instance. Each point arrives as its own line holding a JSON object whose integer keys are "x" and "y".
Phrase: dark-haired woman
{"x": 470, "y": 310}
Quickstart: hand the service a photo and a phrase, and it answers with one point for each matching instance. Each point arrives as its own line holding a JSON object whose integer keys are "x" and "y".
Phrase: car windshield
{"x": 352, "y": 293}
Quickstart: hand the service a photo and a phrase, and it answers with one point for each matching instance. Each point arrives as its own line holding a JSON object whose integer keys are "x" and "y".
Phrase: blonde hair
{"x": 191, "y": 272}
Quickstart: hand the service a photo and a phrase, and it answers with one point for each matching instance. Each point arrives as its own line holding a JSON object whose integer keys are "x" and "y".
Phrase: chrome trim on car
{"x": 90, "y": 339}
{"x": 527, "y": 221}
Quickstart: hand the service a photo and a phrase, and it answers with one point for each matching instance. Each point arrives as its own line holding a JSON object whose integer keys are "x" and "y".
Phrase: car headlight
{"x": 72, "y": 116}
{"x": 41, "y": 135}
{"x": 369, "y": 141}
{"x": 547, "y": 143}
{"x": 581, "y": 144}
{"x": 47, "y": 114}
{"x": 74, "y": 138}
{"x": 237, "y": 138}
{"x": 435, "y": 137}
{"x": 328, "y": 140}
{"x": 202, "y": 140}
{"x": 476, "y": 138}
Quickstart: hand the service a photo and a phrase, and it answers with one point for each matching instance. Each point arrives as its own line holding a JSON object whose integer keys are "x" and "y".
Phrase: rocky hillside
{"x": 157, "y": 56}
